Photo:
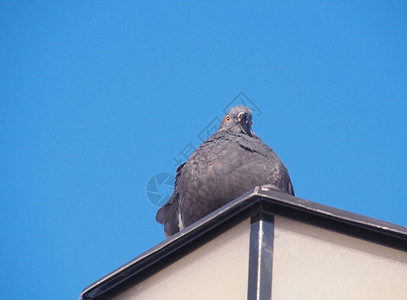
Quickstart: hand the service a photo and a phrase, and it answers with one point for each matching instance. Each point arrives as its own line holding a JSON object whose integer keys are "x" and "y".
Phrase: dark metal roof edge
{"x": 183, "y": 237}
{"x": 233, "y": 208}
{"x": 331, "y": 212}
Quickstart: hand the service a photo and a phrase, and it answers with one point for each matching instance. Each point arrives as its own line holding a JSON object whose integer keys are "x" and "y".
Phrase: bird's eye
{"x": 227, "y": 119}
{"x": 251, "y": 123}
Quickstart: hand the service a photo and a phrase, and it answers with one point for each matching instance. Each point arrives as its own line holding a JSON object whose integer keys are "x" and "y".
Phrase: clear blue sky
{"x": 96, "y": 97}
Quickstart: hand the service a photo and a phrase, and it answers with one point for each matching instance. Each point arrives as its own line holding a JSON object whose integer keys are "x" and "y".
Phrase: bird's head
{"x": 238, "y": 119}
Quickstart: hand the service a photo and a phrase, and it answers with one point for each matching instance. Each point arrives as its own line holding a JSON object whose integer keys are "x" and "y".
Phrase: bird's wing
{"x": 171, "y": 214}
{"x": 169, "y": 209}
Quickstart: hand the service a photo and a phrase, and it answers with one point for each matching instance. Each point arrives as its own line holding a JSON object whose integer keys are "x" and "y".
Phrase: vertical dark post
{"x": 261, "y": 257}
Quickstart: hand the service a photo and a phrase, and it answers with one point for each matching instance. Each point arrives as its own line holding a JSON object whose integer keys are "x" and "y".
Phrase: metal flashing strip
{"x": 260, "y": 257}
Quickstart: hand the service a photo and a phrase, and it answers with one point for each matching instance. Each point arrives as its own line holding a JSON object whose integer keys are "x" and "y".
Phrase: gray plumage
{"x": 225, "y": 166}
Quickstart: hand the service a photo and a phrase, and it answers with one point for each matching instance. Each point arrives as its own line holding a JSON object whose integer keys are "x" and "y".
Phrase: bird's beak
{"x": 241, "y": 117}
{"x": 246, "y": 123}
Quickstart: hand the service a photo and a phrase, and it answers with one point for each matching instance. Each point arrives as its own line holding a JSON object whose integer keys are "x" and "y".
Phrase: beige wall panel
{"x": 217, "y": 270}
{"x": 314, "y": 263}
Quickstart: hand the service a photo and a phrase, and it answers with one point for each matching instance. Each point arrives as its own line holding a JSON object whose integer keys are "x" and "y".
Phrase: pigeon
{"x": 226, "y": 165}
